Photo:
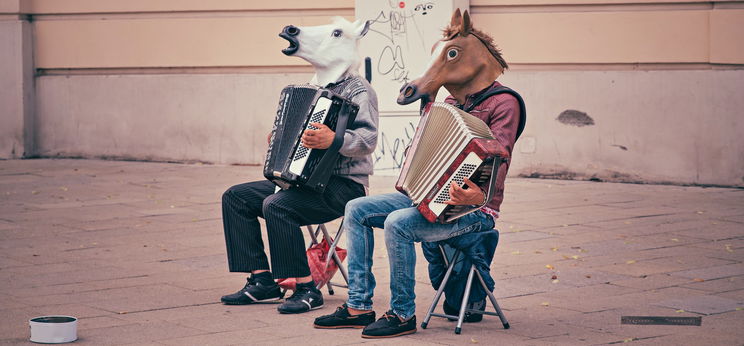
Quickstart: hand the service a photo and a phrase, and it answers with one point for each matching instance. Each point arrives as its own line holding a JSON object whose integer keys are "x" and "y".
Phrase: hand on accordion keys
{"x": 318, "y": 139}
{"x": 473, "y": 195}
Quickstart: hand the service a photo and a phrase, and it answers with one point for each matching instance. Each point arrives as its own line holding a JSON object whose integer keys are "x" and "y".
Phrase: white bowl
{"x": 53, "y": 329}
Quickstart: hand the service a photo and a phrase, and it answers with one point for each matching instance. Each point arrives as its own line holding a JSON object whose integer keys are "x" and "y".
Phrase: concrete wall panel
{"x": 11, "y": 97}
{"x": 170, "y": 42}
{"x": 657, "y": 126}
{"x": 212, "y": 118}
{"x": 17, "y": 116}
{"x": 478, "y": 3}
{"x": 727, "y": 36}
{"x": 599, "y": 37}
{"x": 10, "y": 6}
{"x": 139, "y": 6}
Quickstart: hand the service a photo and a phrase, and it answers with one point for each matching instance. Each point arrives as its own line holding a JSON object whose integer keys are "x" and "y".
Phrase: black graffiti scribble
{"x": 394, "y": 149}
{"x": 391, "y": 61}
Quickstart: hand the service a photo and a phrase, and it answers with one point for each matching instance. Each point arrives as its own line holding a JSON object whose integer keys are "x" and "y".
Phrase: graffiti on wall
{"x": 399, "y": 25}
{"x": 396, "y": 134}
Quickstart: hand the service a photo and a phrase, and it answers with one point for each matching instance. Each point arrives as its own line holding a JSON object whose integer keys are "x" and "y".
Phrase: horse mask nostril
{"x": 410, "y": 90}
{"x": 291, "y": 30}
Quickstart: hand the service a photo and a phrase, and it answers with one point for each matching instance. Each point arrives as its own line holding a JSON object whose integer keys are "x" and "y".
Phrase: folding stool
{"x": 463, "y": 306}
{"x": 321, "y": 230}
{"x": 332, "y": 255}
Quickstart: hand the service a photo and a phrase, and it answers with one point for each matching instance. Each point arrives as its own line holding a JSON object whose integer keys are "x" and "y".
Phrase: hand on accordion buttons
{"x": 473, "y": 195}
{"x": 318, "y": 139}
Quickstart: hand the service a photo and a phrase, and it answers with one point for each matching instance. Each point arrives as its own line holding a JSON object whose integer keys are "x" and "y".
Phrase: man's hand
{"x": 318, "y": 139}
{"x": 473, "y": 195}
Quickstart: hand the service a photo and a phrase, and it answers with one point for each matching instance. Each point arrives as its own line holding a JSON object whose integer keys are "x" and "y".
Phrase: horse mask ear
{"x": 456, "y": 20}
{"x": 362, "y": 28}
{"x": 467, "y": 25}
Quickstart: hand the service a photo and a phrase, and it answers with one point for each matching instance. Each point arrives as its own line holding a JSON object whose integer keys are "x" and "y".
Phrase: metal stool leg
{"x": 440, "y": 290}
{"x": 331, "y": 251}
{"x": 334, "y": 255}
{"x": 466, "y": 296}
{"x": 464, "y": 303}
{"x": 493, "y": 302}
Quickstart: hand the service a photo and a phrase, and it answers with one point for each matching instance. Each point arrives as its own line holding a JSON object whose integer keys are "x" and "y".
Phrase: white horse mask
{"x": 332, "y": 49}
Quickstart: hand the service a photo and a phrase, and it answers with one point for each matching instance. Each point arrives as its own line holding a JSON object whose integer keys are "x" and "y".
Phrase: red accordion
{"x": 449, "y": 145}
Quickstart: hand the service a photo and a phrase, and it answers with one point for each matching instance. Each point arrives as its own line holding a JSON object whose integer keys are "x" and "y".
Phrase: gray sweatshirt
{"x": 360, "y": 139}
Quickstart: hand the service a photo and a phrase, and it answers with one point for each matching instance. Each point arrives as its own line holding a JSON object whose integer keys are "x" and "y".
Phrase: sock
{"x": 264, "y": 278}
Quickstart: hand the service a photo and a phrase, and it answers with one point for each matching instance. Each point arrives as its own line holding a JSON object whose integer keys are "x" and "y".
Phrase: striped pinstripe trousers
{"x": 284, "y": 212}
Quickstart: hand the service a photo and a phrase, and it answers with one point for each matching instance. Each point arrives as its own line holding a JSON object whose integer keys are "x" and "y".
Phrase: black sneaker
{"x": 470, "y": 317}
{"x": 302, "y": 300}
{"x": 388, "y": 326}
{"x": 254, "y": 292}
{"x": 342, "y": 319}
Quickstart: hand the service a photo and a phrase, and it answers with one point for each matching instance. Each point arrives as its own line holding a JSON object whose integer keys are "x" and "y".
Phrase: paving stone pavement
{"x": 135, "y": 250}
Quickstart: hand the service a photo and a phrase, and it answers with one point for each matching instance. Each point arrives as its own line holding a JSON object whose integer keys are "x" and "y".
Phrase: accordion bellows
{"x": 288, "y": 162}
{"x": 449, "y": 145}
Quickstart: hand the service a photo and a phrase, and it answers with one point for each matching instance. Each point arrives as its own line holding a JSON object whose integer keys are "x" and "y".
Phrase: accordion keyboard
{"x": 465, "y": 170}
{"x": 317, "y": 117}
{"x": 322, "y": 106}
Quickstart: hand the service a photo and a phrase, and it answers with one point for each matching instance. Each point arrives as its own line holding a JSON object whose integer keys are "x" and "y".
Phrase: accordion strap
{"x": 326, "y": 163}
{"x": 503, "y": 90}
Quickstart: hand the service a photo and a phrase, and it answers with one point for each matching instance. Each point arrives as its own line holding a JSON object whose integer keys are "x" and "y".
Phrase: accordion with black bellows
{"x": 288, "y": 162}
{"x": 449, "y": 145}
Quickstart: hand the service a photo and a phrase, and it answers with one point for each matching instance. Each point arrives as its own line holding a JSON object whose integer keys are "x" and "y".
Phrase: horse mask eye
{"x": 451, "y": 54}
{"x": 337, "y": 33}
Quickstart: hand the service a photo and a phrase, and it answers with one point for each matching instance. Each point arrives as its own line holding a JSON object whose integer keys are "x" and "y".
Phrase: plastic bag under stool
{"x": 316, "y": 259}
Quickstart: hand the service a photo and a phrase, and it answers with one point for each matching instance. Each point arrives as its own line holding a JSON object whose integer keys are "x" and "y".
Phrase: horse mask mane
{"x": 451, "y": 30}
{"x": 464, "y": 61}
{"x": 332, "y": 49}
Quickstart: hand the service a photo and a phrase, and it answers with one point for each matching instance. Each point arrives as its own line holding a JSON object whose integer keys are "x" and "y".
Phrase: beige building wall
{"x": 193, "y": 80}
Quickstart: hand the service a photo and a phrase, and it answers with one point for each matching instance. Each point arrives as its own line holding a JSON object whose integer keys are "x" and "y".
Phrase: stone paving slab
{"x": 136, "y": 251}
{"x": 705, "y": 304}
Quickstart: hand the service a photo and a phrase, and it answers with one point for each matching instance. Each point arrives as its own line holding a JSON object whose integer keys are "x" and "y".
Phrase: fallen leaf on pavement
{"x": 630, "y": 262}
{"x": 549, "y": 266}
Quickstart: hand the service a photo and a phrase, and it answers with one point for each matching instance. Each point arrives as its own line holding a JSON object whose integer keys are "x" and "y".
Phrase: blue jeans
{"x": 403, "y": 226}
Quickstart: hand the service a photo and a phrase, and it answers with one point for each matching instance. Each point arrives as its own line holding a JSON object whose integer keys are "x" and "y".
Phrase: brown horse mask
{"x": 465, "y": 61}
